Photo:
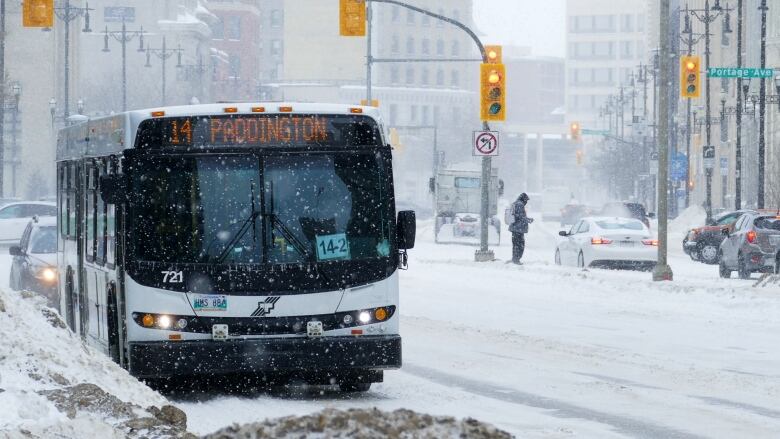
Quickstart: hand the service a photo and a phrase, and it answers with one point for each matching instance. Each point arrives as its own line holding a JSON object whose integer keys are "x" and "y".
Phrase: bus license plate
{"x": 211, "y": 302}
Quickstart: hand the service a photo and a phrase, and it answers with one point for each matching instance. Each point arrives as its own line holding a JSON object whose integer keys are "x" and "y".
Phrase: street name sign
{"x": 485, "y": 143}
{"x": 743, "y": 72}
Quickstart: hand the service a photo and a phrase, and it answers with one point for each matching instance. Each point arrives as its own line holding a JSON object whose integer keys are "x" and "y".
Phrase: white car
{"x": 15, "y": 216}
{"x": 608, "y": 242}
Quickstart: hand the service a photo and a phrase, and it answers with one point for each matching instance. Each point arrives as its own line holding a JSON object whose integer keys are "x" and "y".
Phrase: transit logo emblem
{"x": 264, "y": 308}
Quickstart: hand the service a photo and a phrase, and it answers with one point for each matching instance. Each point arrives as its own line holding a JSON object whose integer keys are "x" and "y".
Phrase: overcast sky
{"x": 539, "y": 24}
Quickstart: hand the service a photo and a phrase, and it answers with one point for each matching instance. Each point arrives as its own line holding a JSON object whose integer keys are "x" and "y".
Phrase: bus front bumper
{"x": 267, "y": 355}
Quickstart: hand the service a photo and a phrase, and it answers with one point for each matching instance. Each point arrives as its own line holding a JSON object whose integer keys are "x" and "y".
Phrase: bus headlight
{"x": 364, "y": 317}
{"x": 164, "y": 322}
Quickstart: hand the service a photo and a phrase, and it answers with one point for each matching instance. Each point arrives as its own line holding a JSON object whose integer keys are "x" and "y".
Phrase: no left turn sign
{"x": 485, "y": 143}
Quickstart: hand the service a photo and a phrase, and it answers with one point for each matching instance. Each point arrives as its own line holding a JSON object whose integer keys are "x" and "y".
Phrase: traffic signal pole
{"x": 484, "y": 253}
{"x": 662, "y": 269}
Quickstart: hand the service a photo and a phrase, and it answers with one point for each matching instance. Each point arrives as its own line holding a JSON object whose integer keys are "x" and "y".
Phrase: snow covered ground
{"x": 544, "y": 351}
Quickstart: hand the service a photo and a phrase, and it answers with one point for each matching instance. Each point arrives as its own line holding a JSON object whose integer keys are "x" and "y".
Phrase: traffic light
{"x": 575, "y": 130}
{"x": 580, "y": 157}
{"x": 690, "y": 76}
{"x": 352, "y": 18}
{"x": 493, "y": 92}
{"x": 38, "y": 13}
{"x": 493, "y": 54}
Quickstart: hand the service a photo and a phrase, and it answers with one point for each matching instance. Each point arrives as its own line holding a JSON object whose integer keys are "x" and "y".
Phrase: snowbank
{"x": 689, "y": 218}
{"x": 53, "y": 385}
{"x": 363, "y": 424}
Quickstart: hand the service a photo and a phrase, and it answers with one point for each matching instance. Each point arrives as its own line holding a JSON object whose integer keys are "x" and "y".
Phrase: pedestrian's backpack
{"x": 509, "y": 215}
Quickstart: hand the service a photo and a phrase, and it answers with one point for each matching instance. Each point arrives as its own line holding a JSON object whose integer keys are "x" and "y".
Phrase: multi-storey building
{"x": 606, "y": 41}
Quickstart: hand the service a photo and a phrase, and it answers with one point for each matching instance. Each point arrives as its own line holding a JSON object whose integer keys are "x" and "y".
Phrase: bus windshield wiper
{"x": 251, "y": 221}
{"x": 288, "y": 235}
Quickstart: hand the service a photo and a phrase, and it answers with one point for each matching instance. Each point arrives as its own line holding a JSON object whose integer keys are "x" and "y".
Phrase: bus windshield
{"x": 248, "y": 209}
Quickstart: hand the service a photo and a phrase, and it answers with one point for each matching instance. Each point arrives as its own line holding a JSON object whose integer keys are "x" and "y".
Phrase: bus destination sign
{"x": 251, "y": 130}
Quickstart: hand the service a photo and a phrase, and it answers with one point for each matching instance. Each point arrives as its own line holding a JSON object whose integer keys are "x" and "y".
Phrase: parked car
{"x": 571, "y": 213}
{"x": 627, "y": 210}
{"x": 15, "y": 216}
{"x": 751, "y": 245}
{"x": 608, "y": 242}
{"x": 34, "y": 265}
{"x": 702, "y": 243}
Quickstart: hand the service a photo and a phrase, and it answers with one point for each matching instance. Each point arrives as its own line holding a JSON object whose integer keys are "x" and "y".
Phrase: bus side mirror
{"x": 432, "y": 185}
{"x": 113, "y": 188}
{"x": 407, "y": 229}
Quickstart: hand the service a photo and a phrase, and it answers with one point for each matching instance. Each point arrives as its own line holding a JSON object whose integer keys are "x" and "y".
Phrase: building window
{"x": 409, "y": 76}
{"x": 410, "y": 16}
{"x": 410, "y": 46}
{"x": 592, "y": 24}
{"x": 395, "y": 45}
{"x": 276, "y": 18}
{"x": 604, "y": 23}
{"x": 425, "y": 20}
{"x": 456, "y": 15}
{"x": 235, "y": 66}
{"x": 440, "y": 47}
{"x": 626, "y": 50}
{"x": 455, "y": 78}
{"x": 414, "y": 113}
{"x": 233, "y": 28}
{"x": 218, "y": 30}
{"x": 426, "y": 46}
{"x": 425, "y": 114}
{"x": 424, "y": 76}
{"x": 396, "y": 14}
{"x": 393, "y": 114}
{"x": 640, "y": 23}
{"x": 440, "y": 23}
{"x": 436, "y": 115}
{"x": 276, "y": 47}
{"x": 455, "y": 48}
{"x": 627, "y": 23}
{"x": 440, "y": 77}
{"x": 395, "y": 76}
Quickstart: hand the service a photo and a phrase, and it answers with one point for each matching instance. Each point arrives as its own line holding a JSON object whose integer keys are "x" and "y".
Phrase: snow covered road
{"x": 546, "y": 351}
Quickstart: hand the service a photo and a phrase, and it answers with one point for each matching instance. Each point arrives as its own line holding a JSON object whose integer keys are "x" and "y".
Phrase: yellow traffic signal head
{"x": 493, "y": 92}
{"x": 38, "y": 13}
{"x": 574, "y": 131}
{"x": 493, "y": 54}
{"x": 690, "y": 76}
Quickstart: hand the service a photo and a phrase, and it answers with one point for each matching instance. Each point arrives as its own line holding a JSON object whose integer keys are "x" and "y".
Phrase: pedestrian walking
{"x": 519, "y": 227}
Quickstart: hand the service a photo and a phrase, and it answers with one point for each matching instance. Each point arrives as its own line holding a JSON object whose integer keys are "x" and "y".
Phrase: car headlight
{"x": 48, "y": 274}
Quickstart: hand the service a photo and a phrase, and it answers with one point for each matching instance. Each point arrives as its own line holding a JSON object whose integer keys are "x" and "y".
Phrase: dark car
{"x": 702, "y": 243}
{"x": 34, "y": 265}
{"x": 571, "y": 213}
{"x": 627, "y": 210}
{"x": 752, "y": 245}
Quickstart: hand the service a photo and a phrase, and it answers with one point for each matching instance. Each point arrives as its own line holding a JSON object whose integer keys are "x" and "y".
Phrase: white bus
{"x": 240, "y": 238}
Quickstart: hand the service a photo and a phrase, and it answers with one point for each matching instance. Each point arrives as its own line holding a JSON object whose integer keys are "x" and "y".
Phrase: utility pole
{"x": 738, "y": 152}
{"x": 762, "y": 110}
{"x": 662, "y": 270}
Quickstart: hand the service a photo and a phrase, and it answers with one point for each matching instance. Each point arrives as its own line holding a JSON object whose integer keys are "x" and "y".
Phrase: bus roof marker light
{"x": 286, "y": 109}
{"x": 158, "y": 113}
{"x": 231, "y": 109}
{"x": 356, "y": 110}
{"x": 258, "y": 109}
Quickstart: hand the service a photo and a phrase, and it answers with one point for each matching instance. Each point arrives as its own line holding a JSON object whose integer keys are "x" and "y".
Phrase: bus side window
{"x": 62, "y": 188}
{"x": 89, "y": 214}
{"x": 100, "y": 216}
{"x": 72, "y": 186}
{"x": 111, "y": 221}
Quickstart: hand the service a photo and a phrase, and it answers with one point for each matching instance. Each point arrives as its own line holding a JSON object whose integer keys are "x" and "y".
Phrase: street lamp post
{"x": 52, "y": 109}
{"x": 68, "y": 14}
{"x": 124, "y": 36}
{"x": 163, "y": 54}
{"x": 762, "y": 109}
{"x": 17, "y": 91}
{"x": 740, "y": 96}
{"x": 708, "y": 16}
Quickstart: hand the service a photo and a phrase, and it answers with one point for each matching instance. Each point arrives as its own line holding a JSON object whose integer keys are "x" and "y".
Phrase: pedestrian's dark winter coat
{"x": 521, "y": 218}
